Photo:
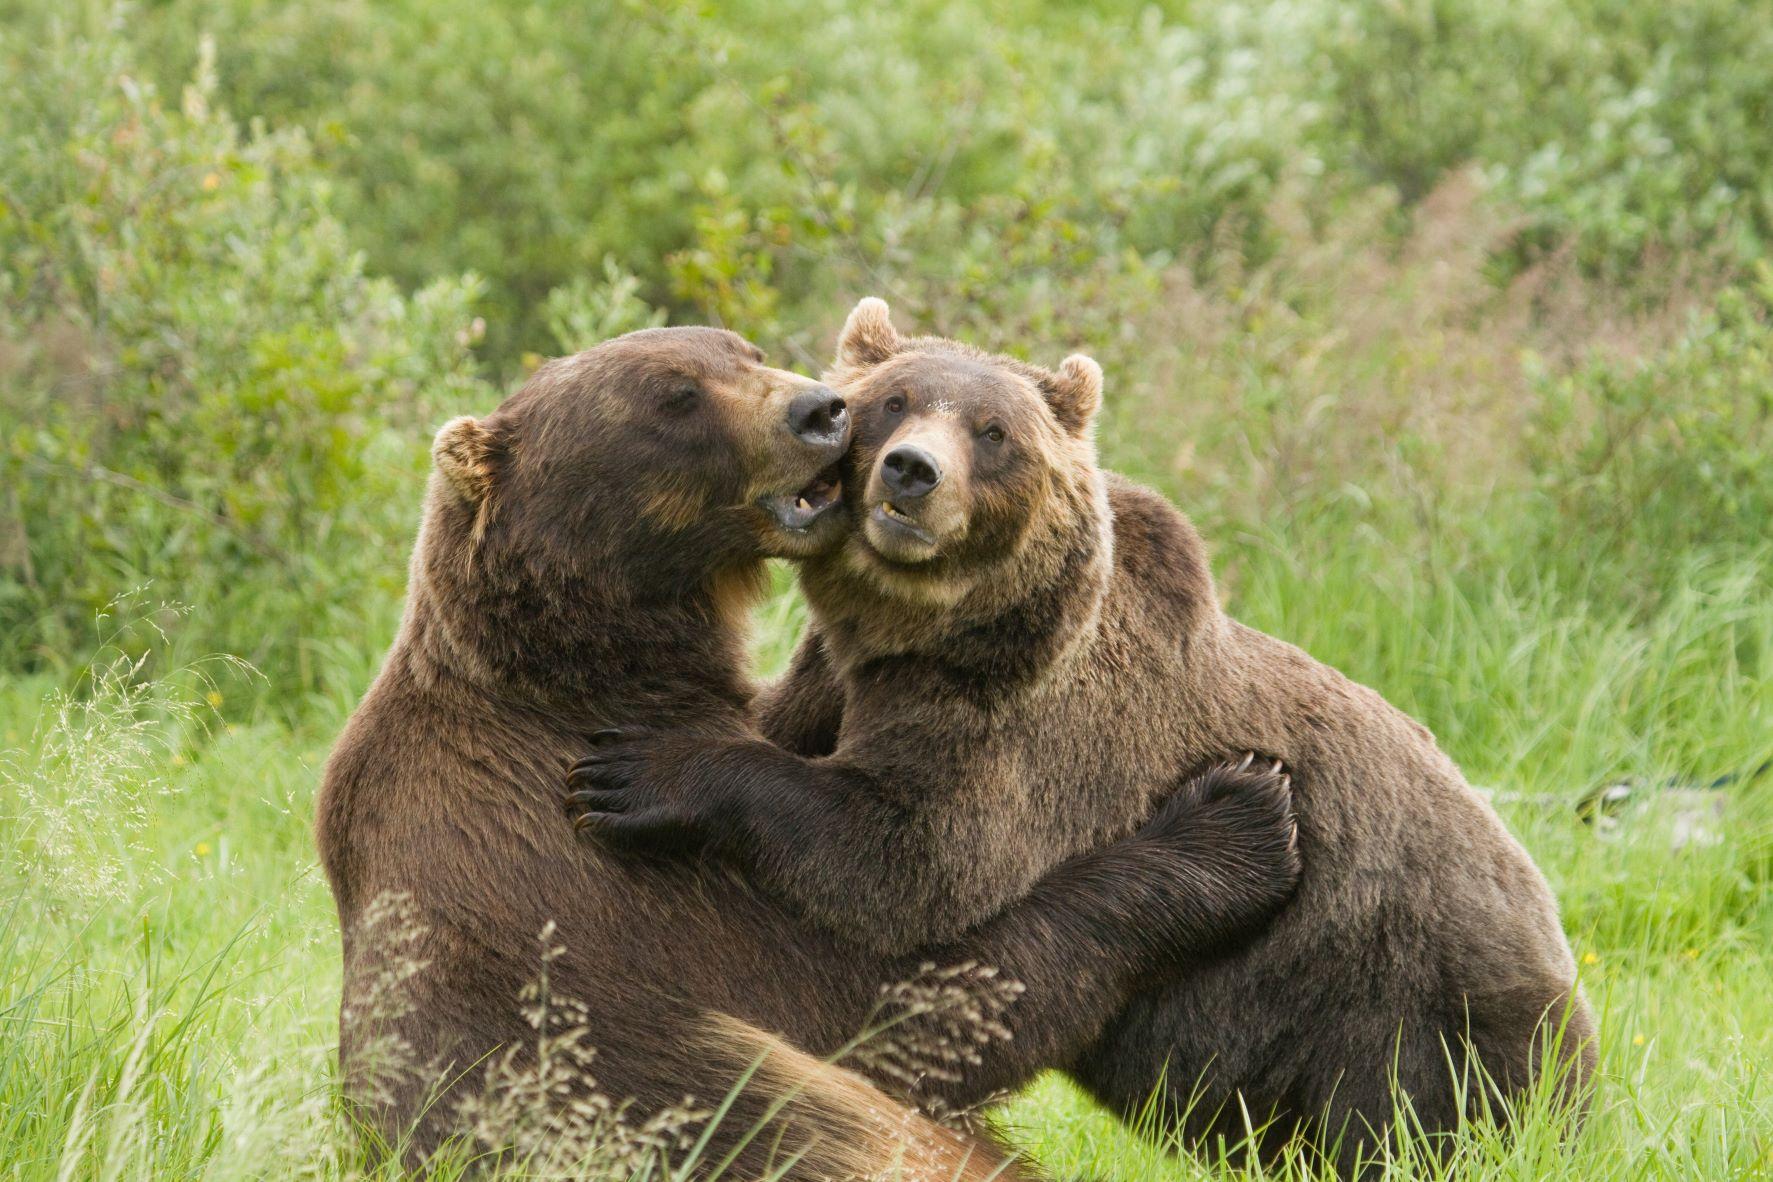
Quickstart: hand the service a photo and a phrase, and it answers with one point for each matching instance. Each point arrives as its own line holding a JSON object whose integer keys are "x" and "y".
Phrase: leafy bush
{"x": 747, "y": 160}
{"x": 729, "y": 156}
{"x": 1623, "y": 127}
{"x": 205, "y": 380}
{"x": 1650, "y": 462}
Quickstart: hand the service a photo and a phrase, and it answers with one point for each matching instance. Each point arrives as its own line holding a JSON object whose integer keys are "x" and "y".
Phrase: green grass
{"x": 169, "y": 961}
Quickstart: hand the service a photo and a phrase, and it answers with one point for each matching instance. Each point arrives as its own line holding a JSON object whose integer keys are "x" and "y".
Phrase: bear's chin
{"x": 819, "y": 537}
{"x": 900, "y": 546}
{"x": 927, "y": 580}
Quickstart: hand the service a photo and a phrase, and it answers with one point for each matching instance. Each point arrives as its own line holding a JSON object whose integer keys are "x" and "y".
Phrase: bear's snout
{"x": 818, "y": 416}
{"x": 909, "y": 471}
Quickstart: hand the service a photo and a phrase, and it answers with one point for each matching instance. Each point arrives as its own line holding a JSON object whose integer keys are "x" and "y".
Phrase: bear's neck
{"x": 585, "y": 652}
{"x": 1003, "y": 639}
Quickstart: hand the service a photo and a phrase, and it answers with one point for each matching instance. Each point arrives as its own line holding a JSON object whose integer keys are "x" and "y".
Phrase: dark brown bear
{"x": 1028, "y": 653}
{"x": 588, "y": 556}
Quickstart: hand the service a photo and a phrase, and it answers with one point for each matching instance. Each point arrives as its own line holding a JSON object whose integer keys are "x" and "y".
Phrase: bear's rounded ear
{"x": 463, "y": 452}
{"x": 1075, "y": 393}
{"x": 868, "y": 336}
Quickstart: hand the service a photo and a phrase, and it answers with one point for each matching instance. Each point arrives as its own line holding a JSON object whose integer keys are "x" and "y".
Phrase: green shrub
{"x": 1650, "y": 462}
{"x": 1625, "y": 128}
{"x": 734, "y": 157}
{"x": 747, "y": 160}
{"x": 211, "y": 395}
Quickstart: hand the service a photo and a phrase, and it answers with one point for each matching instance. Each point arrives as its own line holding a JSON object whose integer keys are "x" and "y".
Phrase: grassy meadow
{"x": 1450, "y": 323}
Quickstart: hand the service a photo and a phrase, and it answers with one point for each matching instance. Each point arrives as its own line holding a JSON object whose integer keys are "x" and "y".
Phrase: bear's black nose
{"x": 909, "y": 471}
{"x": 818, "y": 415}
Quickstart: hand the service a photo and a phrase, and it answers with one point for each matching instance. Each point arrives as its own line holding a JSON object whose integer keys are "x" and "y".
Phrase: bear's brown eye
{"x": 682, "y": 398}
{"x": 994, "y": 434}
{"x": 895, "y": 405}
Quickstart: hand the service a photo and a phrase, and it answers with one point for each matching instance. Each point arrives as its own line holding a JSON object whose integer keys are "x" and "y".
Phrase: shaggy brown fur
{"x": 587, "y": 554}
{"x": 1028, "y": 653}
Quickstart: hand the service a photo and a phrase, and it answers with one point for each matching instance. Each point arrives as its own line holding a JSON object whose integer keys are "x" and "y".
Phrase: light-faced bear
{"x": 588, "y": 556}
{"x": 1028, "y": 652}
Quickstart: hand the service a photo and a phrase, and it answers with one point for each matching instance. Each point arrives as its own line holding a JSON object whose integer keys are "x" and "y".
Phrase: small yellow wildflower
{"x": 178, "y": 760}
{"x": 214, "y": 698}
{"x": 1590, "y": 958}
{"x": 1637, "y": 1040}
{"x": 211, "y": 182}
{"x": 1691, "y": 954}
{"x": 203, "y": 849}
{"x": 532, "y": 361}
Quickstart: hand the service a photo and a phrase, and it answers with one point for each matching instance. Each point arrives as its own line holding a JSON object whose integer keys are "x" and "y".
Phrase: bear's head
{"x": 644, "y": 470}
{"x": 972, "y": 479}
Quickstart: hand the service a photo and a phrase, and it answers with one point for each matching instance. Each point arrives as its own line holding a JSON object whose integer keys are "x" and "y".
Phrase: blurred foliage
{"x": 200, "y": 379}
{"x": 1650, "y": 462}
{"x": 1456, "y": 276}
{"x": 728, "y": 154}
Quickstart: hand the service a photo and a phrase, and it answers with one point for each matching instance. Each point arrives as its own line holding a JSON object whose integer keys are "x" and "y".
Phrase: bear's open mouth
{"x": 797, "y": 511}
